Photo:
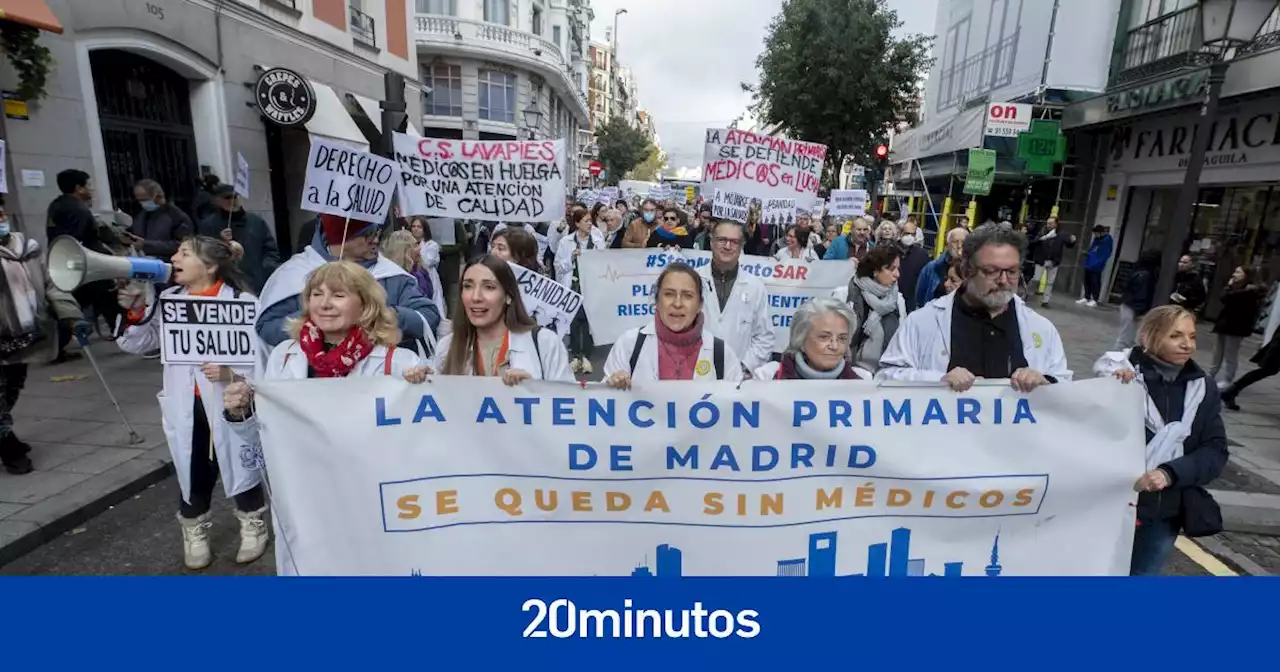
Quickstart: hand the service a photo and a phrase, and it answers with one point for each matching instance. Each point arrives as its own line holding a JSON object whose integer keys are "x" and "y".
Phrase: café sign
{"x": 1174, "y": 91}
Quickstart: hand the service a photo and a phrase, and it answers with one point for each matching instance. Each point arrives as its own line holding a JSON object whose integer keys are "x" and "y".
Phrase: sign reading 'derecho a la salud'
{"x": 762, "y": 166}
{"x": 506, "y": 181}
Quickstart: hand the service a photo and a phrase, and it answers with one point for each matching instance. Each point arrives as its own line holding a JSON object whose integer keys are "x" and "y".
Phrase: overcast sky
{"x": 688, "y": 57}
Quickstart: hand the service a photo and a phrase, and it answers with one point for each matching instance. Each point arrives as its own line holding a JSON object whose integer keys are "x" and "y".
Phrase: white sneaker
{"x": 1092, "y": 303}
{"x": 195, "y": 541}
{"x": 1081, "y": 301}
{"x": 586, "y": 366}
{"x": 254, "y": 535}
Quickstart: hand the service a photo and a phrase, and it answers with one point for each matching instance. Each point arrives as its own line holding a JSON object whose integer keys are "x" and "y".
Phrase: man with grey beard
{"x": 983, "y": 330}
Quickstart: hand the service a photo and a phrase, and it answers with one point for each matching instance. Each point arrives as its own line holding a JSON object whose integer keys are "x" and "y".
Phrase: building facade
{"x": 1142, "y": 126}
{"x": 600, "y": 89}
{"x": 164, "y": 89}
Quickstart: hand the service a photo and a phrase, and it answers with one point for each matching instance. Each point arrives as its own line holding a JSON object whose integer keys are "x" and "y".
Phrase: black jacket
{"x": 261, "y": 256}
{"x": 1050, "y": 251}
{"x": 1140, "y": 288}
{"x": 70, "y": 216}
{"x": 1240, "y": 308}
{"x": 1191, "y": 287}
{"x": 1205, "y": 451}
{"x": 914, "y": 259}
{"x": 162, "y": 230}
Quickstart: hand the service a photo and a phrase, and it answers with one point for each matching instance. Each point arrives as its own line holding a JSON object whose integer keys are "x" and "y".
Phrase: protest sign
{"x": 848, "y": 203}
{"x": 818, "y": 207}
{"x": 242, "y": 176}
{"x": 780, "y": 211}
{"x": 587, "y": 196}
{"x": 443, "y": 231}
{"x": 207, "y": 330}
{"x": 607, "y": 195}
{"x": 773, "y": 478}
{"x": 618, "y": 287}
{"x": 347, "y": 182}
{"x": 508, "y": 181}
{"x": 731, "y": 206}
{"x": 550, "y": 303}
{"x": 762, "y": 166}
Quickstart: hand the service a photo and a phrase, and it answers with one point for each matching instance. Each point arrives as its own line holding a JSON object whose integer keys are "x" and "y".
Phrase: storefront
{"x": 1237, "y": 213}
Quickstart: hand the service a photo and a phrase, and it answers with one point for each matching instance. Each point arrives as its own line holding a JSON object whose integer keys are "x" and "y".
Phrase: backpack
{"x": 717, "y": 354}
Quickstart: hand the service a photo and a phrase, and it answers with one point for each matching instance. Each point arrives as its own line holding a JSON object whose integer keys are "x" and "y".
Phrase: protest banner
{"x": 780, "y": 211}
{"x": 242, "y": 176}
{"x": 618, "y": 287}
{"x": 347, "y": 182}
{"x": 607, "y": 195}
{"x": 762, "y": 166}
{"x": 207, "y": 330}
{"x": 508, "y": 181}
{"x": 848, "y": 203}
{"x": 443, "y": 231}
{"x": 731, "y": 206}
{"x": 587, "y": 196}
{"x": 550, "y": 303}
{"x": 818, "y": 207}
{"x": 777, "y": 478}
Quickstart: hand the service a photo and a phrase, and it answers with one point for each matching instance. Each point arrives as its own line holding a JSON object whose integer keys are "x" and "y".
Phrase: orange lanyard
{"x": 497, "y": 363}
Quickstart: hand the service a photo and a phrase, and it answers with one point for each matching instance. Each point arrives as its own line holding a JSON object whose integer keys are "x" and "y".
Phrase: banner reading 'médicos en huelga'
{"x": 816, "y": 479}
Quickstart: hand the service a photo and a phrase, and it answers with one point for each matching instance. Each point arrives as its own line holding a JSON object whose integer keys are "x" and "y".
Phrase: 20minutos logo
{"x": 562, "y": 618}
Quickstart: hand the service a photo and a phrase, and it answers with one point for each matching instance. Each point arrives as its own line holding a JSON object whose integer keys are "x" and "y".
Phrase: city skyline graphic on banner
{"x": 891, "y": 558}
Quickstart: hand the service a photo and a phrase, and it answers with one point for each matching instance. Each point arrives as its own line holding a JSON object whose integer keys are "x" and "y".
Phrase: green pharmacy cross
{"x": 1042, "y": 147}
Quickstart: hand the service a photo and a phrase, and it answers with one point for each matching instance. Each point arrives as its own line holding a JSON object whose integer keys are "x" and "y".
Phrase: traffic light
{"x": 882, "y": 153}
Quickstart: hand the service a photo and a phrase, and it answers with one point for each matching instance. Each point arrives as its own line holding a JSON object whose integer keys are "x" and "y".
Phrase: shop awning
{"x": 374, "y": 112}
{"x": 34, "y": 13}
{"x": 332, "y": 121}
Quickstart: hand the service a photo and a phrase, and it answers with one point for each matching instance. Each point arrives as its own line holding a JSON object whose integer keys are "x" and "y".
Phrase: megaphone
{"x": 70, "y": 266}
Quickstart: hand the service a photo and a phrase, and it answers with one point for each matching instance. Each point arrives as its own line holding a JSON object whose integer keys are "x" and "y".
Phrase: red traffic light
{"x": 882, "y": 151}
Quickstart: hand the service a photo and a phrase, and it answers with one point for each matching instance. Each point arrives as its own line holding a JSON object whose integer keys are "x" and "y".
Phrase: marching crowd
{"x": 356, "y": 300}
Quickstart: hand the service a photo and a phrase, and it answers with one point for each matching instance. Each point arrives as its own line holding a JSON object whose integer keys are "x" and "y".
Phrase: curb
{"x": 80, "y": 513}
{"x": 1233, "y": 559}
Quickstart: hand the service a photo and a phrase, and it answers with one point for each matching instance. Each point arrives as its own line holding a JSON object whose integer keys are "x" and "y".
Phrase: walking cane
{"x": 84, "y": 345}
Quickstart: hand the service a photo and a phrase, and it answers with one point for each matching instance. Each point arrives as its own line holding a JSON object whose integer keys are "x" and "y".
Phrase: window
{"x": 555, "y": 35}
{"x": 537, "y": 21}
{"x": 446, "y": 7}
{"x": 445, "y": 97}
{"x": 362, "y": 25}
{"x": 497, "y": 95}
{"x": 496, "y": 11}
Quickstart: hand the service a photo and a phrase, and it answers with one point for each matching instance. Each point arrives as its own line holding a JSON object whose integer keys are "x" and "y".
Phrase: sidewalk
{"x": 84, "y": 462}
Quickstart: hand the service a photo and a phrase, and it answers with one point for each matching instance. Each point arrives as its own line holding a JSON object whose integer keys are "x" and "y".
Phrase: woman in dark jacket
{"x": 1241, "y": 303}
{"x": 1186, "y": 440}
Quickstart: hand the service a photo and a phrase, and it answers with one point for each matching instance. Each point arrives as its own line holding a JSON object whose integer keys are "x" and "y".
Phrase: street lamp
{"x": 532, "y": 117}
{"x": 616, "y": 14}
{"x": 1225, "y": 26}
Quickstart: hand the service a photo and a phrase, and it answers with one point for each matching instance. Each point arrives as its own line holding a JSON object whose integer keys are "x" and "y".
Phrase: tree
{"x": 833, "y": 73}
{"x": 648, "y": 169}
{"x": 622, "y": 148}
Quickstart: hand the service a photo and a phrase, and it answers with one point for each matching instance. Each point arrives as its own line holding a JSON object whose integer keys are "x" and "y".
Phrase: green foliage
{"x": 30, "y": 59}
{"x": 648, "y": 169}
{"x": 833, "y": 73}
{"x": 622, "y": 148}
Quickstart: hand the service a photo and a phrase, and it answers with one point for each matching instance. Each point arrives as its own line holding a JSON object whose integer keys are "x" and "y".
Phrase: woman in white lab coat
{"x": 493, "y": 335}
{"x": 430, "y": 252}
{"x": 676, "y": 345}
{"x": 199, "y": 439}
{"x": 345, "y": 329}
{"x": 584, "y": 237}
{"x": 794, "y": 250}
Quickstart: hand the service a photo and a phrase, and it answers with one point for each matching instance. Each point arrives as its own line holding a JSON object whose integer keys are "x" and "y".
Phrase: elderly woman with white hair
{"x": 819, "y": 349}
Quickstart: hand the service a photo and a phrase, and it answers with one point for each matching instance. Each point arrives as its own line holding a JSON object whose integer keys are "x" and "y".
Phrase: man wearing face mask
{"x": 914, "y": 259}
{"x": 640, "y": 228}
{"x": 982, "y": 330}
{"x": 160, "y": 225}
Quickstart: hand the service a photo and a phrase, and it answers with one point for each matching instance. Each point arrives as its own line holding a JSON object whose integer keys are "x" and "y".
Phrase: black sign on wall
{"x": 285, "y": 97}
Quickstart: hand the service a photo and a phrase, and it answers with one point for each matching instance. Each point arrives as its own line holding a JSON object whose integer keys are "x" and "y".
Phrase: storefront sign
{"x": 1007, "y": 120}
{"x": 982, "y": 172}
{"x": 285, "y": 97}
{"x": 1174, "y": 91}
{"x": 1244, "y": 135}
{"x": 1042, "y": 147}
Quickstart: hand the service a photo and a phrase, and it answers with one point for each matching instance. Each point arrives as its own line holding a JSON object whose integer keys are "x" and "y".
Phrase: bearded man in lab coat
{"x": 736, "y": 308}
{"x": 981, "y": 330}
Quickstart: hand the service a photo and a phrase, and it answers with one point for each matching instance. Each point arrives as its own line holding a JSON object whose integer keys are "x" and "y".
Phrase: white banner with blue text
{"x": 618, "y": 286}
{"x": 464, "y": 476}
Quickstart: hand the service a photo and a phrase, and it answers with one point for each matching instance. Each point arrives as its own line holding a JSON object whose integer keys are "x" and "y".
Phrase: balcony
{"x": 1173, "y": 42}
{"x": 490, "y": 41}
{"x": 978, "y": 74}
{"x": 363, "y": 28}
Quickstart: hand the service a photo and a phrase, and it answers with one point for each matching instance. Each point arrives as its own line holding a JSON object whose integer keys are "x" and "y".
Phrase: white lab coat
{"x": 288, "y": 362}
{"x": 647, "y": 365}
{"x": 768, "y": 371}
{"x": 807, "y": 255}
{"x": 564, "y": 254}
{"x": 921, "y": 349}
{"x": 238, "y": 461}
{"x": 430, "y": 250}
{"x": 744, "y": 325}
{"x": 522, "y": 355}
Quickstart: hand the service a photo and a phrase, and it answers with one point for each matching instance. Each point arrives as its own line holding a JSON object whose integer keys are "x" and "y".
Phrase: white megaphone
{"x": 70, "y": 266}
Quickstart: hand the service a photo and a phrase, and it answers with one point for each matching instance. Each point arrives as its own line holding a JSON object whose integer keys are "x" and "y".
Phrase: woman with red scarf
{"x": 819, "y": 350}
{"x": 676, "y": 345}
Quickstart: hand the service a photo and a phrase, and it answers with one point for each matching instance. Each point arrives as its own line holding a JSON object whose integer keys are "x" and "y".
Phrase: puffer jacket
{"x": 52, "y": 304}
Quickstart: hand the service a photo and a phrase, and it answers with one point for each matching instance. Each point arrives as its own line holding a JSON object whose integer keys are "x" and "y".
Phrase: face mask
{"x": 909, "y": 239}
{"x": 4, "y": 228}
{"x": 149, "y": 206}
{"x": 649, "y": 217}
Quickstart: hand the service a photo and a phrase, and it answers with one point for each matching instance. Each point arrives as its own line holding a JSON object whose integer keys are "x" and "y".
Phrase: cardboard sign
{"x": 242, "y": 176}
{"x": 762, "y": 166}
{"x": 348, "y": 182}
{"x": 550, "y": 303}
{"x": 779, "y": 211}
{"x": 507, "y": 181}
{"x": 731, "y": 206}
{"x": 848, "y": 203}
{"x": 207, "y": 330}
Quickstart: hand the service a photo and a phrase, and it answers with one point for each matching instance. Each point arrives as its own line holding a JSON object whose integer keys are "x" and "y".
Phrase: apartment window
{"x": 497, "y": 95}
{"x": 362, "y": 26}
{"x": 555, "y": 35}
{"x": 497, "y": 11}
{"x": 446, "y": 7}
{"x": 537, "y": 21}
{"x": 445, "y": 97}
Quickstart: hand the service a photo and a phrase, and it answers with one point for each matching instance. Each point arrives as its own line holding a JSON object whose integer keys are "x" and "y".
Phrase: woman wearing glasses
{"x": 821, "y": 331}
{"x": 671, "y": 232}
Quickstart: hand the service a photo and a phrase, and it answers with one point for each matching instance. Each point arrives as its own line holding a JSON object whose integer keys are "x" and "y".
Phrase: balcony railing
{"x": 978, "y": 74}
{"x": 1174, "y": 41}
{"x": 362, "y": 28}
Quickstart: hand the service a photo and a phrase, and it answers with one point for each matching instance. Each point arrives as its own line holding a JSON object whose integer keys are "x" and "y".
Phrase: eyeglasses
{"x": 728, "y": 242}
{"x": 670, "y": 219}
{"x": 831, "y": 339}
{"x": 991, "y": 273}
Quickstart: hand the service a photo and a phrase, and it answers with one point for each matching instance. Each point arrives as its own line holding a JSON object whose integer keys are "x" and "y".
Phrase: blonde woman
{"x": 1186, "y": 440}
{"x": 404, "y": 250}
